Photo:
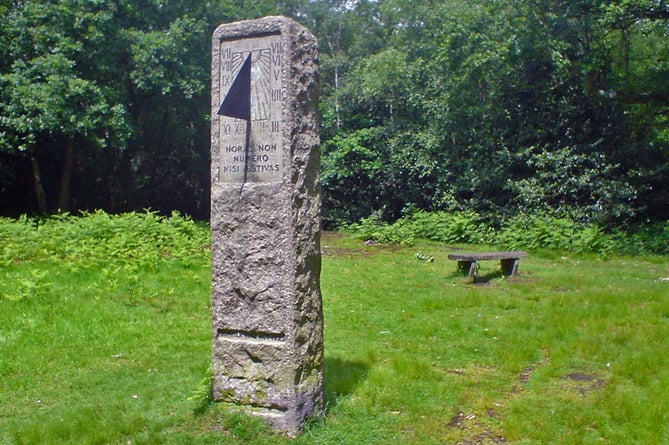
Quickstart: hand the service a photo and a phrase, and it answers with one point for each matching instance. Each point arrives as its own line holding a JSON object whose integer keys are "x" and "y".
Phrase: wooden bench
{"x": 508, "y": 261}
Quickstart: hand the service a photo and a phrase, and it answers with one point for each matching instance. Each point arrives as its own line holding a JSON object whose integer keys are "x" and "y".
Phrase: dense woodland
{"x": 501, "y": 107}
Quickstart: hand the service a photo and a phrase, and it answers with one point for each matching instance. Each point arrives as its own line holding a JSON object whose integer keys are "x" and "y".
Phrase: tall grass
{"x": 111, "y": 344}
{"x": 141, "y": 239}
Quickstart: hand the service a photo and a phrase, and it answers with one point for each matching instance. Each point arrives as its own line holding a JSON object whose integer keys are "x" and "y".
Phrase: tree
{"x": 48, "y": 101}
{"x": 633, "y": 75}
{"x": 499, "y": 107}
{"x": 110, "y": 99}
{"x": 486, "y": 105}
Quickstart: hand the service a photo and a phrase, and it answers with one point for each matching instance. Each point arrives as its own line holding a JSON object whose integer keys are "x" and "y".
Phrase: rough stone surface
{"x": 267, "y": 316}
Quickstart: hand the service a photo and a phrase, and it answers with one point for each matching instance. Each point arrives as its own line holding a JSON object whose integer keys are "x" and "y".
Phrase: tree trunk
{"x": 39, "y": 188}
{"x": 66, "y": 178}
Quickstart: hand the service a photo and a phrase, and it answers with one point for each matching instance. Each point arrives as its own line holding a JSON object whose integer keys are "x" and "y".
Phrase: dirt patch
{"x": 492, "y": 414}
{"x": 457, "y": 421}
{"x": 330, "y": 247}
{"x": 522, "y": 278}
{"x": 483, "y": 439}
{"x": 584, "y": 383}
{"x": 478, "y": 283}
{"x": 338, "y": 251}
{"x": 526, "y": 374}
{"x": 480, "y": 434}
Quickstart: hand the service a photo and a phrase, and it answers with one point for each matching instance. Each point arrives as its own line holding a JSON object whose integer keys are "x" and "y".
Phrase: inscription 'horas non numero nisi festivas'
{"x": 258, "y": 161}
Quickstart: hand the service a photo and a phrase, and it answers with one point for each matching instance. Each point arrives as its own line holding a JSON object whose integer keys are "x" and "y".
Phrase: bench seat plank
{"x": 508, "y": 255}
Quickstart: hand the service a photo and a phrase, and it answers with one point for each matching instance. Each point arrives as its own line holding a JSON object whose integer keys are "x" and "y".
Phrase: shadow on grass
{"x": 483, "y": 279}
{"x": 487, "y": 277}
{"x": 342, "y": 377}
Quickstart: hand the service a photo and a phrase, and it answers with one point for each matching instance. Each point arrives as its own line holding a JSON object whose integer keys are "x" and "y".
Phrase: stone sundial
{"x": 267, "y": 320}
{"x": 251, "y": 81}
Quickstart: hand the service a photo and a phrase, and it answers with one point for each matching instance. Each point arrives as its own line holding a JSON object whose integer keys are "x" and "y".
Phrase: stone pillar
{"x": 267, "y": 316}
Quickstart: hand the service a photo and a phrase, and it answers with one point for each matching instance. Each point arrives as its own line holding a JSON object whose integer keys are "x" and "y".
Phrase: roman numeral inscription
{"x": 267, "y": 319}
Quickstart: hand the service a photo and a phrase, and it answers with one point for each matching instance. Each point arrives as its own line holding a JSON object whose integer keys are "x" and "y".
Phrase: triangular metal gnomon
{"x": 237, "y": 103}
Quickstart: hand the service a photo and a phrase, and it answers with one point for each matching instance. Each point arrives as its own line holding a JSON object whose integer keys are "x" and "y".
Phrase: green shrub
{"x": 531, "y": 232}
{"x": 449, "y": 227}
{"x": 651, "y": 239}
{"x": 536, "y": 232}
{"x": 592, "y": 238}
{"x": 139, "y": 239}
{"x": 373, "y": 229}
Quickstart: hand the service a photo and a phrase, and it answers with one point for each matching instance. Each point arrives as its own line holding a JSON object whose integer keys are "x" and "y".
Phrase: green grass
{"x": 117, "y": 350}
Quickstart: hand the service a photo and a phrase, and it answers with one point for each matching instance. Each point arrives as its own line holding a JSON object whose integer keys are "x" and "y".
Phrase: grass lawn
{"x": 571, "y": 351}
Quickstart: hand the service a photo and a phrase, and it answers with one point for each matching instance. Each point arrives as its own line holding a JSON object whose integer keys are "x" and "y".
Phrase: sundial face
{"x": 250, "y": 121}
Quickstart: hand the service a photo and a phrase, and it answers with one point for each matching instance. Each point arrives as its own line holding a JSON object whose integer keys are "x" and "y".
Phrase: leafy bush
{"x": 532, "y": 232}
{"x": 137, "y": 239}
{"x": 592, "y": 238}
{"x": 535, "y": 232}
{"x": 653, "y": 238}
{"x": 450, "y": 227}
{"x": 373, "y": 229}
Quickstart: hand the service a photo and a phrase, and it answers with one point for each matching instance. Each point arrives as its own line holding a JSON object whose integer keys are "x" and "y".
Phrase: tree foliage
{"x": 501, "y": 108}
{"x": 110, "y": 97}
{"x": 504, "y": 107}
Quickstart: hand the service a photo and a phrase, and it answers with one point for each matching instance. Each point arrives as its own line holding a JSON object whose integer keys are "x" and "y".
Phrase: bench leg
{"x": 467, "y": 267}
{"x": 509, "y": 266}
